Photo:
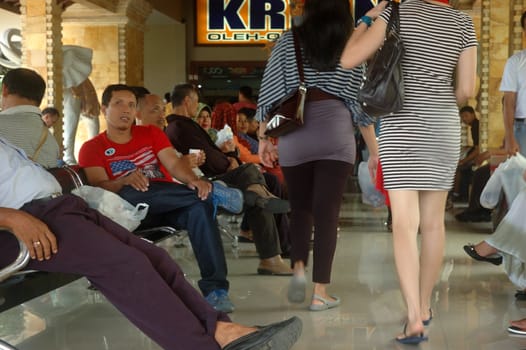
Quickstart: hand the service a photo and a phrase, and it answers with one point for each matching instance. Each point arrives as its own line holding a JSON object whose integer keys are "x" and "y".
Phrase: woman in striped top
{"x": 317, "y": 158}
{"x": 419, "y": 145}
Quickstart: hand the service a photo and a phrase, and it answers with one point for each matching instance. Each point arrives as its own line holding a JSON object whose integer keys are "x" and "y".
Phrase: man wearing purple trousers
{"x": 64, "y": 235}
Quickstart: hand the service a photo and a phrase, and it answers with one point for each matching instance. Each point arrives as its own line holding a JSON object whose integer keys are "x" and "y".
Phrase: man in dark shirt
{"x": 465, "y": 165}
{"x": 185, "y": 134}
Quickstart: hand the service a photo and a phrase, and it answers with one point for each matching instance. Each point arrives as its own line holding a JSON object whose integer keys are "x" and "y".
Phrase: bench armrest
{"x": 20, "y": 262}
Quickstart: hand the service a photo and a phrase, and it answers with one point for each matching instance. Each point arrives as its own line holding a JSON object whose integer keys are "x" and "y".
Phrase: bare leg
{"x": 321, "y": 290}
{"x": 404, "y": 205}
{"x": 299, "y": 268}
{"x": 432, "y": 245}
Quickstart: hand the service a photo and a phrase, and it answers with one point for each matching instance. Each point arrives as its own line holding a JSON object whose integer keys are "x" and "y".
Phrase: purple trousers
{"x": 315, "y": 194}
{"x": 140, "y": 279}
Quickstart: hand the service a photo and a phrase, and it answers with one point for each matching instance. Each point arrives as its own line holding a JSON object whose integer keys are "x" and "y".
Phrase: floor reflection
{"x": 472, "y": 303}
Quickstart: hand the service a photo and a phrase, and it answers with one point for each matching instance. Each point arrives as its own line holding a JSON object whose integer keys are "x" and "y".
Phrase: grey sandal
{"x": 327, "y": 304}
{"x": 296, "y": 293}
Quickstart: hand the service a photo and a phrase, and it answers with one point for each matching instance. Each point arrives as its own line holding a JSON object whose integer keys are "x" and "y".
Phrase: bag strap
{"x": 393, "y": 26}
{"x": 43, "y": 138}
{"x": 297, "y": 50}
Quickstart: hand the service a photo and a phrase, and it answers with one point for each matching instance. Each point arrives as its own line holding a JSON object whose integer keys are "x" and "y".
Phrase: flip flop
{"x": 412, "y": 339}
{"x": 428, "y": 321}
{"x": 516, "y": 330}
{"x": 327, "y": 304}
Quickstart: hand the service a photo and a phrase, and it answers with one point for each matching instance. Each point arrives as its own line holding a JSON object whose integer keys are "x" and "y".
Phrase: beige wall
{"x": 164, "y": 56}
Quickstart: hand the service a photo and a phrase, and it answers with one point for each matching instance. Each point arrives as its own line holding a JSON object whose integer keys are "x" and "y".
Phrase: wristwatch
{"x": 365, "y": 19}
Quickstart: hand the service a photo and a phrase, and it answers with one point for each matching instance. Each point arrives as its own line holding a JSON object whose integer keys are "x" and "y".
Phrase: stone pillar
{"x": 42, "y": 48}
{"x": 516, "y": 37}
{"x": 484, "y": 71}
{"x": 131, "y": 40}
{"x": 495, "y": 46}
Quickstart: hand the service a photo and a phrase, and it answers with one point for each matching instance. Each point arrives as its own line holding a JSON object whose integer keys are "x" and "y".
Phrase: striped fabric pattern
{"x": 281, "y": 77}
{"x": 420, "y": 145}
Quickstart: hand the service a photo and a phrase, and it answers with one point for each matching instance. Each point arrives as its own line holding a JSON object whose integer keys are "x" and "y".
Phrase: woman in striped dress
{"x": 419, "y": 145}
{"x": 317, "y": 158}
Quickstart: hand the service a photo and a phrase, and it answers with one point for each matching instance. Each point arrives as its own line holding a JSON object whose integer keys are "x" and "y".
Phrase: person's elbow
{"x": 465, "y": 92}
{"x": 345, "y": 63}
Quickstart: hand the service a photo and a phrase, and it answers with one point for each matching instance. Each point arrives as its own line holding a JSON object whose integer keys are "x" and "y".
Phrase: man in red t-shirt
{"x": 140, "y": 164}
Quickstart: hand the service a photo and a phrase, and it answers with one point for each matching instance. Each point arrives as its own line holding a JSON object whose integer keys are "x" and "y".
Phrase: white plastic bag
{"x": 507, "y": 177}
{"x": 113, "y": 206}
{"x": 370, "y": 195}
{"x": 224, "y": 135}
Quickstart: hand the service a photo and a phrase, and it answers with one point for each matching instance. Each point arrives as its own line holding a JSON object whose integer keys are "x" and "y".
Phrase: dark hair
{"x": 246, "y": 91}
{"x": 25, "y": 83}
{"x": 50, "y": 110}
{"x": 180, "y": 92}
{"x": 324, "y": 31}
{"x": 466, "y": 109}
{"x": 167, "y": 96}
{"x": 250, "y": 113}
{"x": 523, "y": 19}
{"x": 140, "y": 91}
{"x": 108, "y": 92}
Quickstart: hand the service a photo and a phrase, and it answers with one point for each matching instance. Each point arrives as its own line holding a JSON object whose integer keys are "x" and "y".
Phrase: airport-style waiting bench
{"x": 18, "y": 286}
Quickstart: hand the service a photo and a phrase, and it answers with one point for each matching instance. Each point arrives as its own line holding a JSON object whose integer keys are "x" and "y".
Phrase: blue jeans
{"x": 183, "y": 209}
{"x": 519, "y": 130}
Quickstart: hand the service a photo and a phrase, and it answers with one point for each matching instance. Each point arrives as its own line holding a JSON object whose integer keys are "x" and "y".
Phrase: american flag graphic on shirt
{"x": 143, "y": 159}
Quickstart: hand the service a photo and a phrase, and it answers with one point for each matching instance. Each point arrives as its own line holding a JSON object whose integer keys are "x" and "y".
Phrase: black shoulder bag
{"x": 286, "y": 115}
{"x": 382, "y": 90}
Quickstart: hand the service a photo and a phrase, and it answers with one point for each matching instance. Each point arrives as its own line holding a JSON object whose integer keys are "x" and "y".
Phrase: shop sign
{"x": 240, "y": 22}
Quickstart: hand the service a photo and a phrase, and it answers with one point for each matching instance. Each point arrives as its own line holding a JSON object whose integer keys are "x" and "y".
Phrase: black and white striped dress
{"x": 420, "y": 145}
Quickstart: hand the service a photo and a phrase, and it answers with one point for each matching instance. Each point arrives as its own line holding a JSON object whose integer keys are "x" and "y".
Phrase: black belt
{"x": 520, "y": 120}
{"x": 315, "y": 94}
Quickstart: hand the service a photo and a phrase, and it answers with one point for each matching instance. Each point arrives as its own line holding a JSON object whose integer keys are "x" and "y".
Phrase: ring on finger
{"x": 37, "y": 244}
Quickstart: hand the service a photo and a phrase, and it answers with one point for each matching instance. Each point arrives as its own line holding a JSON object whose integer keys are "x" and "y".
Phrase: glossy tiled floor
{"x": 472, "y": 303}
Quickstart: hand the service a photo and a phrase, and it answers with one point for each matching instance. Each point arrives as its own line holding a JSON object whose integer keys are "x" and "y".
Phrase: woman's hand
{"x": 377, "y": 10}
{"x": 372, "y": 164}
{"x": 268, "y": 153}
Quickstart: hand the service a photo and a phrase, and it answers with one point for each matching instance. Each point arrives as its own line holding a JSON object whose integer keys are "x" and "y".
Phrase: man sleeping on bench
{"x": 140, "y": 279}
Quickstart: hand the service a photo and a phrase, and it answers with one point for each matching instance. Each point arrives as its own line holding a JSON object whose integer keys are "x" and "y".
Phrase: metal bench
{"x": 17, "y": 286}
